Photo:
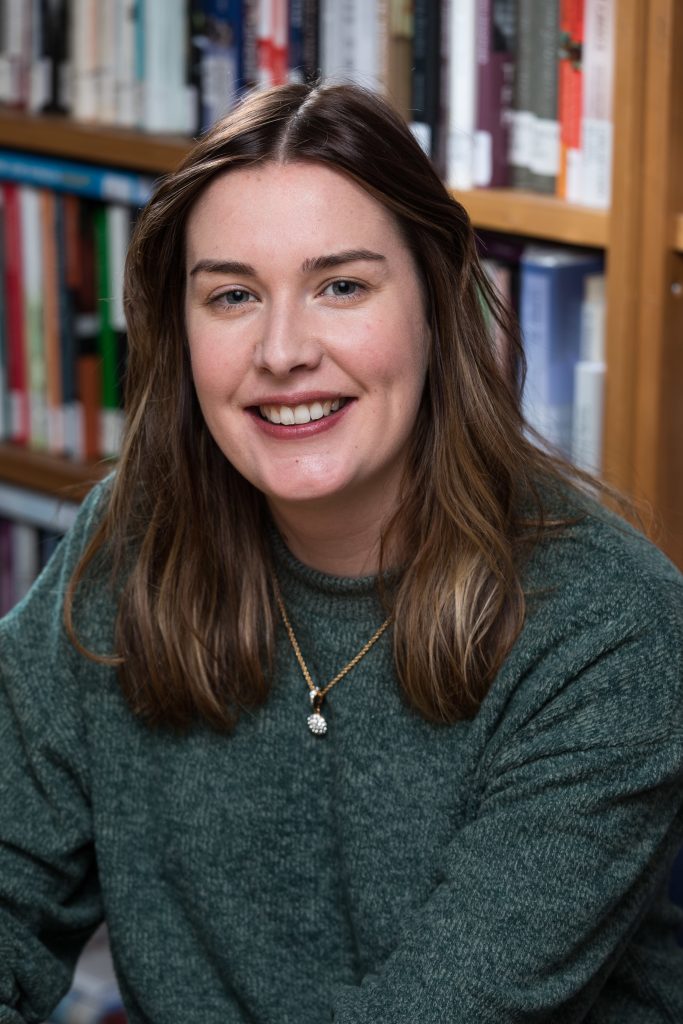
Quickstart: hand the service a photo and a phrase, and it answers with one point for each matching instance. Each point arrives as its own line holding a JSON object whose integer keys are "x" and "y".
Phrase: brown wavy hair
{"x": 186, "y": 533}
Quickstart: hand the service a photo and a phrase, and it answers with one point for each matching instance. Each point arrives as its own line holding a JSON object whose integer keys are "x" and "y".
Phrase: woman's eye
{"x": 233, "y": 297}
{"x": 344, "y": 289}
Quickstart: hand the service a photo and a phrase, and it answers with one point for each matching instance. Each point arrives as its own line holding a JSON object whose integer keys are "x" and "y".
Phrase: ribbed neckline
{"x": 312, "y": 592}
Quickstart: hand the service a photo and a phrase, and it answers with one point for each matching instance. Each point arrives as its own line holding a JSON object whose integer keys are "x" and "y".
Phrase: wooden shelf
{"x": 537, "y": 216}
{"x": 678, "y": 237}
{"x": 72, "y": 140}
{"x": 49, "y": 474}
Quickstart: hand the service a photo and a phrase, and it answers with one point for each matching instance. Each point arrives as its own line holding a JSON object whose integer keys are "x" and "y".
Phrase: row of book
{"x": 518, "y": 93}
{"x": 558, "y": 295}
{"x": 62, "y": 325}
{"x": 499, "y": 92}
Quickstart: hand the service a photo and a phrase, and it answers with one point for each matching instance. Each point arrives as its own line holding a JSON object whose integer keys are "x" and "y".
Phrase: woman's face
{"x": 306, "y": 332}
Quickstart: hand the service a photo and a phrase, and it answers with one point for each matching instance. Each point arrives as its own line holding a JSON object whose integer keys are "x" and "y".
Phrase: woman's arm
{"x": 49, "y": 894}
{"x": 580, "y": 815}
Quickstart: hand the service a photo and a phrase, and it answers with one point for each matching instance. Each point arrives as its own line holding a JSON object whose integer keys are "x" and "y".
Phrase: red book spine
{"x": 14, "y": 305}
{"x": 570, "y": 90}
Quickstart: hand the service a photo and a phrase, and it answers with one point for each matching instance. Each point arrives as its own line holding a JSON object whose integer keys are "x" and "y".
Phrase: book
{"x": 462, "y": 95}
{"x": 55, "y": 21}
{"x": 521, "y": 115}
{"x": 88, "y": 180}
{"x": 545, "y": 130}
{"x": 84, "y": 47}
{"x": 426, "y": 75}
{"x": 596, "y": 121}
{"x": 54, "y": 405}
{"x": 166, "y": 101}
{"x": 570, "y": 89}
{"x": 217, "y": 32}
{"x": 551, "y": 295}
{"x": 495, "y": 38}
{"x": 589, "y": 378}
{"x": 396, "y": 19}
{"x": 14, "y": 317}
{"x": 32, "y": 299}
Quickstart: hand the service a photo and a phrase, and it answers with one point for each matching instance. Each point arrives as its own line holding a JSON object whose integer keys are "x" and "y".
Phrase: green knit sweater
{"x": 507, "y": 869}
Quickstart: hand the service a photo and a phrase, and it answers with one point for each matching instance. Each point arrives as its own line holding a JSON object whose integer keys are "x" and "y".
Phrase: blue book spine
{"x": 85, "y": 180}
{"x": 296, "y": 41}
{"x": 217, "y": 39}
{"x": 551, "y": 293}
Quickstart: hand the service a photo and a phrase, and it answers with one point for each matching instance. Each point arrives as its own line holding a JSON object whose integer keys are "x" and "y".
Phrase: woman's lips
{"x": 301, "y": 420}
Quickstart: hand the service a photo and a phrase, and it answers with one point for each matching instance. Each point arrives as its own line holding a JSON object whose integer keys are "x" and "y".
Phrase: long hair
{"x": 185, "y": 533}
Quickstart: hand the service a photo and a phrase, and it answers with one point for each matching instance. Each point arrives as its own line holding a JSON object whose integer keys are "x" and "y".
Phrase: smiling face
{"x": 307, "y": 335}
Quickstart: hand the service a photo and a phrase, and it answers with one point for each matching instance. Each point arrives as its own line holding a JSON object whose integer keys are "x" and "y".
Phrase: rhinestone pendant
{"x": 317, "y": 724}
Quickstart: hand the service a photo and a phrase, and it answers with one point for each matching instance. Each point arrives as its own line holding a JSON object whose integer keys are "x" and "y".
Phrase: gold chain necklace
{"x": 316, "y": 723}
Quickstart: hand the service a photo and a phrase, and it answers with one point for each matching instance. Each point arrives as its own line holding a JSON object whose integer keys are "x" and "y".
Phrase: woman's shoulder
{"x": 595, "y": 553}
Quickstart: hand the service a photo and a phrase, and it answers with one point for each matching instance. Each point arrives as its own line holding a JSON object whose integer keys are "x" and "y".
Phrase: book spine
{"x": 84, "y": 49}
{"x": 522, "y": 117}
{"x": 425, "y": 74}
{"x": 126, "y": 93}
{"x": 589, "y": 378}
{"x": 311, "y": 40}
{"x": 167, "y": 105}
{"x": 217, "y": 38}
{"x": 570, "y": 88}
{"x": 86, "y": 180}
{"x": 279, "y": 46}
{"x": 14, "y": 290}
{"x": 552, "y": 284}
{"x": 31, "y": 239}
{"x": 368, "y": 47}
{"x": 40, "y": 60}
{"x": 51, "y": 322}
{"x": 397, "y": 69}
{"x": 596, "y": 123}
{"x": 545, "y": 151}
{"x": 69, "y": 274}
{"x": 55, "y": 18}
{"x": 108, "y": 349}
{"x": 4, "y": 385}
{"x": 496, "y": 21}
{"x": 249, "y": 59}
{"x": 462, "y": 95}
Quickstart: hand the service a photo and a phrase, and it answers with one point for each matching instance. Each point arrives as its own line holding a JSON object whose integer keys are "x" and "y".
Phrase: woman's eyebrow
{"x": 223, "y": 267}
{"x": 337, "y": 258}
{"x": 315, "y": 263}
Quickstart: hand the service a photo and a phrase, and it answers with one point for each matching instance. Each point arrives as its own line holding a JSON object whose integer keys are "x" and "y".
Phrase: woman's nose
{"x": 286, "y": 342}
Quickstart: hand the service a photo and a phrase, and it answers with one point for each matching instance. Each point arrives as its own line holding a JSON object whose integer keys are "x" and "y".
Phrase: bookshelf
{"x": 642, "y": 236}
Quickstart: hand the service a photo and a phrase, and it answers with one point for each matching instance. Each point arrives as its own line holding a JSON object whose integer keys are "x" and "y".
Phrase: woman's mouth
{"x": 298, "y": 415}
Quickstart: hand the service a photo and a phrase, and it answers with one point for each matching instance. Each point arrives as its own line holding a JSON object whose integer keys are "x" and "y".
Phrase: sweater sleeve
{"x": 579, "y": 818}
{"x": 49, "y": 894}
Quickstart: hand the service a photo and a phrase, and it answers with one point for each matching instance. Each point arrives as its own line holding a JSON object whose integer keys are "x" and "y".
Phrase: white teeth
{"x": 288, "y": 415}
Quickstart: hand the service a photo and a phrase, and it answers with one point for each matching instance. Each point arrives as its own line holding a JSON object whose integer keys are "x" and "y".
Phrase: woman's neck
{"x": 335, "y": 541}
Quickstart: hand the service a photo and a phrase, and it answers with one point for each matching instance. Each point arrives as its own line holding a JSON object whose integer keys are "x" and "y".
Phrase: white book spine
{"x": 118, "y": 231}
{"x": 31, "y": 249}
{"x": 587, "y": 418}
{"x": 462, "y": 95}
{"x": 84, "y": 50}
{"x": 126, "y": 81}
{"x": 165, "y": 107}
{"x": 596, "y": 121}
{"x": 367, "y": 57}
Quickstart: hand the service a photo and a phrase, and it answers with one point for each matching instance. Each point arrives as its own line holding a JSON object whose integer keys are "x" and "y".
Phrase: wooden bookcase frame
{"x": 642, "y": 236}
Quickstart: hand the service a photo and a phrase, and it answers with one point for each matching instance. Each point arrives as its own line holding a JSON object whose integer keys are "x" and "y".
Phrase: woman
{"x": 393, "y": 728}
